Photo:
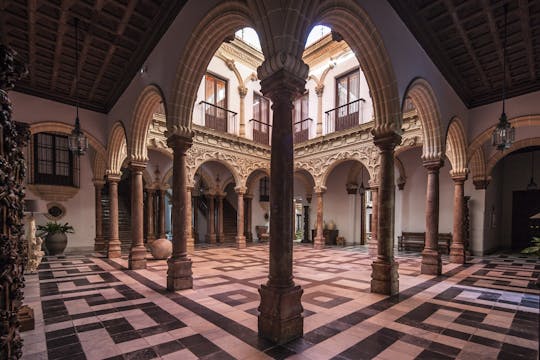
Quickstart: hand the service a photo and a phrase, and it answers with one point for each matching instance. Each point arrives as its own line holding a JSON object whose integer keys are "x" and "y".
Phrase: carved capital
{"x": 480, "y": 184}
{"x": 98, "y": 183}
{"x": 319, "y": 190}
{"x": 319, "y": 90}
{"x": 459, "y": 174}
{"x": 137, "y": 166}
{"x": 282, "y": 86}
{"x": 113, "y": 178}
{"x": 242, "y": 91}
{"x": 240, "y": 190}
{"x": 283, "y": 62}
{"x": 386, "y": 141}
{"x": 433, "y": 165}
{"x": 179, "y": 143}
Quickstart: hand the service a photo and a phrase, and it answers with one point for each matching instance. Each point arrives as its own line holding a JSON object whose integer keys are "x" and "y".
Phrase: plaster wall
{"x": 493, "y": 212}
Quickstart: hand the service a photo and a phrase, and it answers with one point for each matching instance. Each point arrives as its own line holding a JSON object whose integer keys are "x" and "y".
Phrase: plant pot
{"x": 56, "y": 243}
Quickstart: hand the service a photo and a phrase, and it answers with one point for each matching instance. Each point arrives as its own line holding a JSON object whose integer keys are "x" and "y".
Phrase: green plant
{"x": 534, "y": 248}
{"x": 54, "y": 228}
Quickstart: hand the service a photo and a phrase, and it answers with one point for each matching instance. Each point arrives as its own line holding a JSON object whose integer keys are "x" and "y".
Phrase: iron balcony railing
{"x": 218, "y": 118}
{"x": 345, "y": 116}
{"x": 301, "y": 130}
{"x": 261, "y": 132}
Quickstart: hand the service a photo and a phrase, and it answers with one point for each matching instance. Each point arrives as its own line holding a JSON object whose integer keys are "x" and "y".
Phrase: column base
{"x": 150, "y": 239}
{"x": 221, "y": 238}
{"x": 385, "y": 277}
{"x": 211, "y": 239}
{"x": 431, "y": 262}
{"x": 280, "y": 318}
{"x": 457, "y": 254}
{"x": 99, "y": 244}
{"x": 179, "y": 274}
{"x": 190, "y": 243}
{"x": 114, "y": 250}
{"x": 137, "y": 258}
{"x": 240, "y": 242}
{"x": 318, "y": 243}
{"x": 372, "y": 248}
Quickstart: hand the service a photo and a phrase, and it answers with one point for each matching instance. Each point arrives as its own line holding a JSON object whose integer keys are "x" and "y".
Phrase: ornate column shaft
{"x": 457, "y": 249}
{"x": 319, "y": 90}
{"x": 161, "y": 223}
{"x": 137, "y": 253}
{"x": 318, "y": 242}
{"x": 151, "y": 226}
{"x": 179, "y": 274}
{"x": 373, "y": 243}
{"x": 220, "y": 233}
{"x": 211, "y": 235}
{"x": 242, "y": 91}
{"x": 240, "y": 238}
{"x": 384, "y": 278}
{"x": 248, "y": 198}
{"x": 113, "y": 248}
{"x": 363, "y": 218}
{"x": 195, "y": 200}
{"x": 99, "y": 243}
{"x": 280, "y": 318}
{"x": 431, "y": 259}
{"x": 189, "y": 224}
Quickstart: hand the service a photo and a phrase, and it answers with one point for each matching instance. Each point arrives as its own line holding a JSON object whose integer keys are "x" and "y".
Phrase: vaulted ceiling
{"x": 115, "y": 38}
{"x": 463, "y": 37}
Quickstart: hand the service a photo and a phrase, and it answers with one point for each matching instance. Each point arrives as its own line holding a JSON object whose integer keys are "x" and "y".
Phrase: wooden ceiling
{"x": 464, "y": 38}
{"x": 115, "y": 38}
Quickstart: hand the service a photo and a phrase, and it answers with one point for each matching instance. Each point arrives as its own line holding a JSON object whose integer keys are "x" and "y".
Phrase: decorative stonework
{"x": 53, "y": 192}
{"x": 242, "y": 52}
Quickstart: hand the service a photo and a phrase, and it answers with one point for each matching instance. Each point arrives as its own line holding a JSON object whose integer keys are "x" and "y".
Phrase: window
{"x": 54, "y": 164}
{"x": 301, "y": 118}
{"x": 261, "y": 119}
{"x": 347, "y": 100}
{"x": 215, "y": 103}
{"x": 264, "y": 189}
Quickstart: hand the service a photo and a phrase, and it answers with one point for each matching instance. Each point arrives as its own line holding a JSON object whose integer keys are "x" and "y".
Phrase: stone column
{"x": 384, "y": 278}
{"x": 318, "y": 242}
{"x": 220, "y": 233}
{"x": 99, "y": 242}
{"x": 280, "y": 318}
{"x": 248, "y": 198}
{"x": 113, "y": 248}
{"x": 305, "y": 239}
{"x": 161, "y": 221}
{"x": 352, "y": 190}
{"x": 190, "y": 242}
{"x": 240, "y": 238}
{"x": 457, "y": 249}
{"x": 179, "y": 274}
{"x": 431, "y": 259}
{"x": 211, "y": 235}
{"x": 373, "y": 243}
{"x": 242, "y": 91}
{"x": 195, "y": 200}
{"x": 319, "y": 90}
{"x": 363, "y": 218}
{"x": 137, "y": 253}
{"x": 151, "y": 226}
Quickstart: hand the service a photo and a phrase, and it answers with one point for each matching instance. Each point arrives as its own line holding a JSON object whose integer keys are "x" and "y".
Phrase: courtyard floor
{"x": 90, "y": 307}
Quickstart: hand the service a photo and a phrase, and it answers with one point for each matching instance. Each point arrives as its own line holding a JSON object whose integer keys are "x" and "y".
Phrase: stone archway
{"x": 515, "y": 147}
{"x": 456, "y": 147}
{"x": 116, "y": 148}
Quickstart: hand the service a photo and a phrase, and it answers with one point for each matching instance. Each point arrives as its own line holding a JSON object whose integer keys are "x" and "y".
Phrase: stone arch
{"x": 254, "y": 176}
{"x": 356, "y": 169}
{"x": 99, "y": 166}
{"x": 333, "y": 165}
{"x": 145, "y": 106}
{"x": 235, "y": 175}
{"x": 423, "y": 97}
{"x": 456, "y": 147}
{"x": 402, "y": 178}
{"x": 222, "y": 21}
{"x": 519, "y": 121}
{"x": 147, "y": 178}
{"x": 515, "y": 146}
{"x": 116, "y": 148}
{"x": 477, "y": 165}
{"x": 306, "y": 178}
{"x": 353, "y": 23}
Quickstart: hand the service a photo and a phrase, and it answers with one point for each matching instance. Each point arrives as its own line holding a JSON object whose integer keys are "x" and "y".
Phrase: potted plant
{"x": 534, "y": 248}
{"x": 55, "y": 236}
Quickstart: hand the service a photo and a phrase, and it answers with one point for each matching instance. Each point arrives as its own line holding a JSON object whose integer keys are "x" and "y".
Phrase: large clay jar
{"x": 161, "y": 249}
{"x": 56, "y": 243}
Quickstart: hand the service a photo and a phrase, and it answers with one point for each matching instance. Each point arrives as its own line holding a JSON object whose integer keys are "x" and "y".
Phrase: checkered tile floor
{"x": 89, "y": 307}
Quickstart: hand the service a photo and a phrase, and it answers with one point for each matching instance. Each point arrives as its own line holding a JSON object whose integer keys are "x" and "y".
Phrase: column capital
{"x": 282, "y": 86}
{"x": 319, "y": 90}
{"x": 481, "y": 184}
{"x": 150, "y": 190}
{"x": 240, "y": 190}
{"x": 190, "y": 188}
{"x": 319, "y": 190}
{"x": 373, "y": 185}
{"x": 457, "y": 174}
{"x": 385, "y": 140}
{"x": 433, "y": 165}
{"x": 283, "y": 62}
{"x": 179, "y": 142}
{"x": 113, "y": 178}
{"x": 135, "y": 165}
{"x": 242, "y": 91}
{"x": 98, "y": 183}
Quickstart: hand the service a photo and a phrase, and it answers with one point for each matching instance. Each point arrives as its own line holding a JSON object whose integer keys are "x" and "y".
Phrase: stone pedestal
{"x": 137, "y": 253}
{"x": 280, "y": 318}
{"x": 113, "y": 248}
{"x": 318, "y": 241}
{"x": 179, "y": 274}
{"x": 457, "y": 249}
{"x": 431, "y": 259}
{"x": 384, "y": 277}
{"x": 99, "y": 243}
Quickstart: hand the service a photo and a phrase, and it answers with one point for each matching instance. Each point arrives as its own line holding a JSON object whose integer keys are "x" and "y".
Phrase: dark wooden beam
{"x": 526, "y": 33}
{"x": 62, "y": 27}
{"x": 32, "y": 9}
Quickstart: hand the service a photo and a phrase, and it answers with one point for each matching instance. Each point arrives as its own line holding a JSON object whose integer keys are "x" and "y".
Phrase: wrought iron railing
{"x": 218, "y": 118}
{"x": 345, "y": 116}
{"x": 261, "y": 132}
{"x": 301, "y": 130}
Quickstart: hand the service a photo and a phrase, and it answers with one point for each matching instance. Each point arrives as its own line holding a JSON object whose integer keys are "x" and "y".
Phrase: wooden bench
{"x": 414, "y": 241}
